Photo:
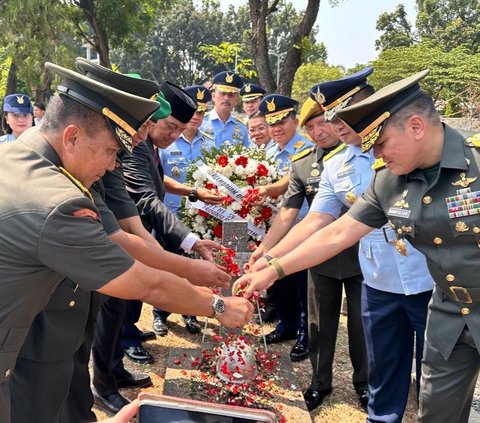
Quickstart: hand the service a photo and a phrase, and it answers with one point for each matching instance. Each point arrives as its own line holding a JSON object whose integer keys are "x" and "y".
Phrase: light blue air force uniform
{"x": 395, "y": 293}
{"x": 346, "y": 176}
{"x": 4, "y": 139}
{"x": 176, "y": 160}
{"x": 282, "y": 157}
{"x": 233, "y": 130}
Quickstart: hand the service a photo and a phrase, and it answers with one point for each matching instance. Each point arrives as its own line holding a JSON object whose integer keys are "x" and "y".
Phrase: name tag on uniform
{"x": 345, "y": 172}
{"x": 399, "y": 212}
{"x": 313, "y": 181}
{"x": 176, "y": 153}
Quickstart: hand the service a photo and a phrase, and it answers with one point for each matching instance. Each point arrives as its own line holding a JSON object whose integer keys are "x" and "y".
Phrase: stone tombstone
{"x": 235, "y": 235}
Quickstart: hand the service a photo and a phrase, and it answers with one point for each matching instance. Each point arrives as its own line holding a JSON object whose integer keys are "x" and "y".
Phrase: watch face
{"x": 219, "y": 306}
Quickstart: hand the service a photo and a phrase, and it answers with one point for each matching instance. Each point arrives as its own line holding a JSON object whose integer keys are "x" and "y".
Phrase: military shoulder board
{"x": 206, "y": 135}
{"x": 333, "y": 152}
{"x": 379, "y": 163}
{"x": 473, "y": 141}
{"x": 302, "y": 153}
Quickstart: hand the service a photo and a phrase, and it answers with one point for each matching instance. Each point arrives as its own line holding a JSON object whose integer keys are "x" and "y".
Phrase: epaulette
{"x": 240, "y": 119}
{"x": 333, "y": 152}
{"x": 76, "y": 182}
{"x": 473, "y": 141}
{"x": 379, "y": 163}
{"x": 302, "y": 153}
{"x": 207, "y": 135}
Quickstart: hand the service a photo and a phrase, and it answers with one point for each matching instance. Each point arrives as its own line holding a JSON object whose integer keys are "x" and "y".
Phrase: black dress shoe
{"x": 109, "y": 403}
{"x": 138, "y": 354}
{"x": 147, "y": 336}
{"x": 160, "y": 326}
{"x": 276, "y": 337}
{"x": 363, "y": 398}
{"x": 299, "y": 352}
{"x": 191, "y": 324}
{"x": 314, "y": 398}
{"x": 133, "y": 380}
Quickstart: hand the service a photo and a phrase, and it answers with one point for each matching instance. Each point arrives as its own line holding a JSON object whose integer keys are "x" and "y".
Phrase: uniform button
{"x": 71, "y": 303}
{"x": 476, "y": 230}
{"x": 7, "y": 372}
{"x": 427, "y": 199}
{"x": 465, "y": 311}
{"x": 450, "y": 278}
{"x": 437, "y": 240}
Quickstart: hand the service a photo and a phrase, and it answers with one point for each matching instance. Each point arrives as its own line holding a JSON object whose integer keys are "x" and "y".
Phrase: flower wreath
{"x": 235, "y": 171}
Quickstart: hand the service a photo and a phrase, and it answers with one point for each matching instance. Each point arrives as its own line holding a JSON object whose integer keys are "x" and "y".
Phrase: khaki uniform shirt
{"x": 442, "y": 220}
{"x": 49, "y": 230}
{"x": 304, "y": 179}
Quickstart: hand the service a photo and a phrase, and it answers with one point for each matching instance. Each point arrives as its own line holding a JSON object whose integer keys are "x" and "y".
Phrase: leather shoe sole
{"x": 314, "y": 398}
{"x": 299, "y": 352}
{"x": 276, "y": 337}
{"x": 160, "y": 326}
{"x": 134, "y": 380}
{"x": 109, "y": 403}
{"x": 138, "y": 354}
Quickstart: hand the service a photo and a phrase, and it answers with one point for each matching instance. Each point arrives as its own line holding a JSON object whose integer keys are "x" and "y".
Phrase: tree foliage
{"x": 450, "y": 23}
{"x": 453, "y": 74}
{"x": 397, "y": 31}
{"x": 310, "y": 74}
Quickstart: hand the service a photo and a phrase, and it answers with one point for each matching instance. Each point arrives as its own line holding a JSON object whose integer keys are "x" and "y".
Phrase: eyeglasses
{"x": 257, "y": 129}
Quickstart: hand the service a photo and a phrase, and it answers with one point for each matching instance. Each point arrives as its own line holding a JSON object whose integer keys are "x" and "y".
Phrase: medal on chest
{"x": 176, "y": 171}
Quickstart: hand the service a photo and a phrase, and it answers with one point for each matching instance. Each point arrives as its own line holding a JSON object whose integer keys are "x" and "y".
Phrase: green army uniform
{"x": 50, "y": 230}
{"x": 437, "y": 208}
{"x": 325, "y": 284}
{"x": 450, "y": 243}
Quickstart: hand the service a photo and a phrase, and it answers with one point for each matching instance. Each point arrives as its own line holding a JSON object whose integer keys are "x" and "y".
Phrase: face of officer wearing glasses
{"x": 258, "y": 130}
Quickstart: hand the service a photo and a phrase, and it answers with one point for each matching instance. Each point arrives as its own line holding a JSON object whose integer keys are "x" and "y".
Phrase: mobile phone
{"x": 166, "y": 409}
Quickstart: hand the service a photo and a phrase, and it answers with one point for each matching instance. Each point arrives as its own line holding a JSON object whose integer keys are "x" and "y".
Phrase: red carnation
{"x": 222, "y": 161}
{"x": 243, "y": 212}
{"x": 217, "y": 231}
{"x": 209, "y": 185}
{"x": 203, "y": 214}
{"x": 242, "y": 161}
{"x": 252, "y": 180}
{"x": 266, "y": 213}
{"x": 262, "y": 170}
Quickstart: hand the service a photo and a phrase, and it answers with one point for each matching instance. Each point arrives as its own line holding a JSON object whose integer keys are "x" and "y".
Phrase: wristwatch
{"x": 218, "y": 305}
{"x": 192, "y": 196}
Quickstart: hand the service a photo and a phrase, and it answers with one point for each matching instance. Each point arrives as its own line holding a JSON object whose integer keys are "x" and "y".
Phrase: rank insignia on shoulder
{"x": 85, "y": 213}
{"x": 379, "y": 163}
{"x": 298, "y": 144}
{"x": 302, "y": 153}
{"x": 207, "y": 135}
{"x": 473, "y": 141}
{"x": 333, "y": 152}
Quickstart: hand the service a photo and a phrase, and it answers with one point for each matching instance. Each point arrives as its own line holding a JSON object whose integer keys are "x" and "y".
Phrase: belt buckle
{"x": 385, "y": 235}
{"x": 466, "y": 298}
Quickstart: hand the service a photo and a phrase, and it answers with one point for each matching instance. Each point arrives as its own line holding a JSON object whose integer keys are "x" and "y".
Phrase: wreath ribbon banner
{"x": 224, "y": 215}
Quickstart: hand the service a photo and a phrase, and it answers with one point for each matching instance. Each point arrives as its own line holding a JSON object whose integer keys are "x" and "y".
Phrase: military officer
{"x": 251, "y": 96}
{"x": 326, "y": 281}
{"x": 280, "y": 116}
{"x": 219, "y": 123}
{"x": 427, "y": 193}
{"x": 17, "y": 116}
{"x": 51, "y": 229}
{"x": 395, "y": 291}
{"x": 177, "y": 158}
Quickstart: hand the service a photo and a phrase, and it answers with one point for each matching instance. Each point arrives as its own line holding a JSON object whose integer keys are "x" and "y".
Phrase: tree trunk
{"x": 293, "y": 59}
{"x": 11, "y": 79}
{"x": 100, "y": 38}
{"x": 259, "y": 10}
{"x": 258, "y": 16}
